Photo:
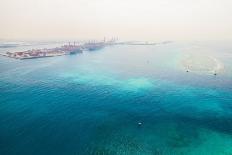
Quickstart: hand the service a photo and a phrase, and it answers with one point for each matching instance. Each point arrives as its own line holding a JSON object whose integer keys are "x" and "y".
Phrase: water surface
{"x": 91, "y": 103}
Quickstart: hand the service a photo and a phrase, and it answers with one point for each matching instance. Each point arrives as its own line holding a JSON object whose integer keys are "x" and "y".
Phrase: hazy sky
{"x": 126, "y": 19}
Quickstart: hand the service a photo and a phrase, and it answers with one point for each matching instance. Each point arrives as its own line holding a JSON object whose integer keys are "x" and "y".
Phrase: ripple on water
{"x": 158, "y": 136}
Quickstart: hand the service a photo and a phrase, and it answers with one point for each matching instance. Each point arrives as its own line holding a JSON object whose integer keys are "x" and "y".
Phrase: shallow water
{"x": 91, "y": 103}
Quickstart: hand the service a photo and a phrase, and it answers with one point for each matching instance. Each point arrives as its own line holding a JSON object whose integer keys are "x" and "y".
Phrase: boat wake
{"x": 202, "y": 64}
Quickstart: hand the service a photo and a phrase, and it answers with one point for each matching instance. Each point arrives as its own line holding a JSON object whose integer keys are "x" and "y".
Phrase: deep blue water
{"x": 91, "y": 103}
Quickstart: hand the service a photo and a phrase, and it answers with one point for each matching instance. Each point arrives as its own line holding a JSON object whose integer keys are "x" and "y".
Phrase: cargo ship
{"x": 93, "y": 46}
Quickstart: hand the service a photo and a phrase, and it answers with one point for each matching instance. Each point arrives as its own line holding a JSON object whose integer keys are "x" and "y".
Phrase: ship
{"x": 93, "y": 46}
{"x": 71, "y": 49}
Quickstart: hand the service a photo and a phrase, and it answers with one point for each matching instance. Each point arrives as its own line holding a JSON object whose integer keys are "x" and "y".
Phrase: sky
{"x": 148, "y": 20}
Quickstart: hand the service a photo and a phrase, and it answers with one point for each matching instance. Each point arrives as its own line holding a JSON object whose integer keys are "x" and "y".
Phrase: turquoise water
{"x": 91, "y": 103}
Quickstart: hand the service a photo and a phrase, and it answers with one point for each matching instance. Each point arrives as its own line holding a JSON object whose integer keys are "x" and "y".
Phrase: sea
{"x": 119, "y": 100}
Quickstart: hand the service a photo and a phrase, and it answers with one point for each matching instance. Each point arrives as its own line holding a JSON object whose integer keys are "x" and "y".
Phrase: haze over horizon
{"x": 127, "y": 19}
